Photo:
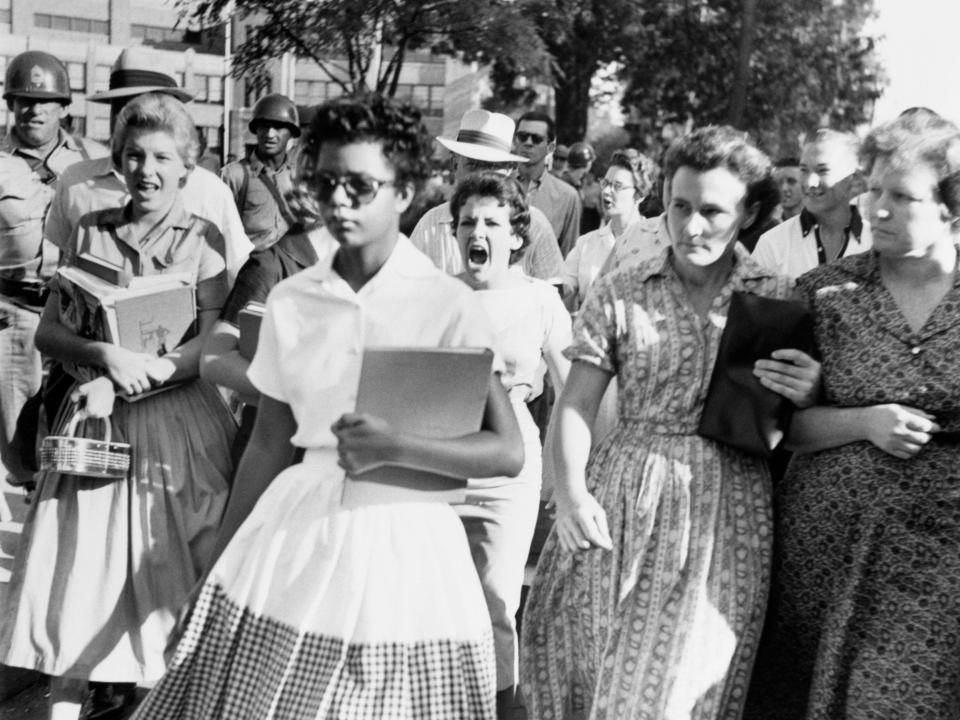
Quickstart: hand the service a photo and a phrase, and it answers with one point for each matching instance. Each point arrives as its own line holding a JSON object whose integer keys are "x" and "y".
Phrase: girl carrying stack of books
{"x": 106, "y": 564}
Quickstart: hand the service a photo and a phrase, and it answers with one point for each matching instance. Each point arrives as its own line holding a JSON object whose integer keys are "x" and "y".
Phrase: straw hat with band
{"x": 133, "y": 73}
{"x": 484, "y": 136}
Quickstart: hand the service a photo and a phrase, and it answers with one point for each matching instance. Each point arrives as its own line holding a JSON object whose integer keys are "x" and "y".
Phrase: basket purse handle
{"x": 81, "y": 415}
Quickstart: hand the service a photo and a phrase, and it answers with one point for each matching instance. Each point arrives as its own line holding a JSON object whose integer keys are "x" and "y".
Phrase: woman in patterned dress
{"x": 314, "y": 609}
{"x": 106, "y": 564}
{"x": 650, "y": 592}
{"x": 865, "y": 609}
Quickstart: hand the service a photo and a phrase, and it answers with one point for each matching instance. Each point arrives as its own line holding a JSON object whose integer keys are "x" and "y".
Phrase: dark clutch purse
{"x": 739, "y": 411}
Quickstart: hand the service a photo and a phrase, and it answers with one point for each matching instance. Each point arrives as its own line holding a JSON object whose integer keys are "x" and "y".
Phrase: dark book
{"x": 248, "y": 321}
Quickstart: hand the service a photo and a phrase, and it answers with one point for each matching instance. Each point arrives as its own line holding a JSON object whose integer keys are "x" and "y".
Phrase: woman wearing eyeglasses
{"x": 624, "y": 186}
{"x": 312, "y": 609}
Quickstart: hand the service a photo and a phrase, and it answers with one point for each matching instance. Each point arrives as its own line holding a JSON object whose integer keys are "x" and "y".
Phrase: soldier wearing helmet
{"x": 32, "y": 156}
{"x": 261, "y": 182}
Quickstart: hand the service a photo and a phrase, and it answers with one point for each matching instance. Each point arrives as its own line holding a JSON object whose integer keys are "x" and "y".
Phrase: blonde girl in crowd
{"x": 106, "y": 564}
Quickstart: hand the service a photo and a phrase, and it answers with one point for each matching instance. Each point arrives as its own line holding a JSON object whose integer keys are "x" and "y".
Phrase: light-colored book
{"x": 432, "y": 392}
{"x": 151, "y": 314}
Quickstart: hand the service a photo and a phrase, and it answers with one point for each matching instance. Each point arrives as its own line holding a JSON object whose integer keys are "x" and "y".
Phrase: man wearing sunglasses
{"x": 534, "y": 140}
{"x": 483, "y": 143}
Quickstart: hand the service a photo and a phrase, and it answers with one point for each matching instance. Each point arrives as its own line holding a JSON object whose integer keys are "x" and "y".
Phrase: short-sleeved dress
{"x": 666, "y": 624}
{"x": 864, "y": 618}
{"x": 500, "y": 514}
{"x": 316, "y": 611}
{"x": 105, "y": 565}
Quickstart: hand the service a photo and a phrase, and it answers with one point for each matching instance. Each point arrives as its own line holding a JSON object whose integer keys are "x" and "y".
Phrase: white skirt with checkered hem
{"x": 314, "y": 611}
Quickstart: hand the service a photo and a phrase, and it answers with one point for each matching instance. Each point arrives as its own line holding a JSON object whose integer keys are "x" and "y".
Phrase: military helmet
{"x": 580, "y": 155}
{"x": 276, "y": 108}
{"x": 37, "y": 75}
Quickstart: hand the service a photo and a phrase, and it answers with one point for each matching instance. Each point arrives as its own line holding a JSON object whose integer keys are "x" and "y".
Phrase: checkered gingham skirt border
{"x": 234, "y": 665}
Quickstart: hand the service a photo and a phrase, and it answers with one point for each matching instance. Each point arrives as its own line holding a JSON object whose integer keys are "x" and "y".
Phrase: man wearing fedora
{"x": 483, "y": 143}
{"x": 261, "y": 182}
{"x": 97, "y": 184}
{"x": 32, "y": 157}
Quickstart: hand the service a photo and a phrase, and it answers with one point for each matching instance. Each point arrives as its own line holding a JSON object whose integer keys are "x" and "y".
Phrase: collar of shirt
{"x": 855, "y": 229}
{"x": 12, "y": 144}
{"x": 745, "y": 268}
{"x": 118, "y": 220}
{"x": 404, "y": 261}
{"x": 257, "y": 165}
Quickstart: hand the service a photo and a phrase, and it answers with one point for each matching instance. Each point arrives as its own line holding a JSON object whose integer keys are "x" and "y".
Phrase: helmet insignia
{"x": 37, "y": 76}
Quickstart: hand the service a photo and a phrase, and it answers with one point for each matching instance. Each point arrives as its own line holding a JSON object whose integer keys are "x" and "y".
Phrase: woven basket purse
{"x": 85, "y": 456}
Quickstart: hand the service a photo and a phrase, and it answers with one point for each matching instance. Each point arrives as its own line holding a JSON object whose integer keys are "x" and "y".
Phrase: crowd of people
{"x": 683, "y": 578}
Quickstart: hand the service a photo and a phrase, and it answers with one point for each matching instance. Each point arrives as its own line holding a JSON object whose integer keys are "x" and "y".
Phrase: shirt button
{"x": 916, "y": 350}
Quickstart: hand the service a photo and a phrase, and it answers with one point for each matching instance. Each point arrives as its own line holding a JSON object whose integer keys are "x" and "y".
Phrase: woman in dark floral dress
{"x": 865, "y": 617}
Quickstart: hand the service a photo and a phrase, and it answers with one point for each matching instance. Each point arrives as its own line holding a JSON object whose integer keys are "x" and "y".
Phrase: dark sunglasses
{"x": 360, "y": 188}
{"x": 523, "y": 137}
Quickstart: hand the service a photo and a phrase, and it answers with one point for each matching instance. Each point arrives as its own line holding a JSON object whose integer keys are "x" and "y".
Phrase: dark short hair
{"x": 641, "y": 167}
{"x": 910, "y": 141}
{"x": 787, "y": 162}
{"x": 507, "y": 192}
{"x": 157, "y": 112}
{"x": 719, "y": 146}
{"x": 540, "y": 116}
{"x": 371, "y": 117}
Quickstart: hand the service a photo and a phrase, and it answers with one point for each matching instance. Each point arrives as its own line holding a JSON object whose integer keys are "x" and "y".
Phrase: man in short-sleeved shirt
{"x": 828, "y": 227}
{"x": 534, "y": 140}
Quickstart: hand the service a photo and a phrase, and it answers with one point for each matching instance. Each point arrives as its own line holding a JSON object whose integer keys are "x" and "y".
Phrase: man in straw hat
{"x": 32, "y": 157}
{"x": 97, "y": 184}
{"x": 483, "y": 143}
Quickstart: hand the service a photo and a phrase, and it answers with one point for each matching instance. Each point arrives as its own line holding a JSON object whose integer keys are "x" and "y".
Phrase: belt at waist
{"x": 657, "y": 427}
{"x": 29, "y": 292}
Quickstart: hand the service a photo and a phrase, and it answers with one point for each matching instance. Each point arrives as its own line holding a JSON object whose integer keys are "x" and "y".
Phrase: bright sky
{"x": 921, "y": 55}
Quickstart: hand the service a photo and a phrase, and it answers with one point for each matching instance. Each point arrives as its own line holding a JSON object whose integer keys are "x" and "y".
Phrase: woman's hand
{"x": 128, "y": 369}
{"x": 159, "y": 370}
{"x": 98, "y": 396}
{"x": 899, "y": 430}
{"x": 365, "y": 442}
{"x": 582, "y": 523}
{"x": 791, "y": 373}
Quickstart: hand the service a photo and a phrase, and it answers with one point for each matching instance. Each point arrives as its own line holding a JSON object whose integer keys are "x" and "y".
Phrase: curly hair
{"x": 371, "y": 117}
{"x": 910, "y": 141}
{"x": 507, "y": 192}
{"x": 641, "y": 168}
{"x": 157, "y": 112}
{"x": 720, "y": 146}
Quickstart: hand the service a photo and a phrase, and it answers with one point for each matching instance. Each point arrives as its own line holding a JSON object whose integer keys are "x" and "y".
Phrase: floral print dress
{"x": 666, "y": 624}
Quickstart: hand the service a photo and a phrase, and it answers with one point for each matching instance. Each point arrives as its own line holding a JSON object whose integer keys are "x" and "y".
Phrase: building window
{"x": 78, "y": 76}
{"x": 214, "y": 89}
{"x": 101, "y": 129}
{"x": 71, "y": 24}
{"x": 5, "y": 16}
{"x": 156, "y": 33}
{"x": 101, "y": 78}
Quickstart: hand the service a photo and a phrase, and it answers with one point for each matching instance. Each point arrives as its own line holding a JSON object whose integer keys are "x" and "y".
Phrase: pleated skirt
{"x": 105, "y": 565}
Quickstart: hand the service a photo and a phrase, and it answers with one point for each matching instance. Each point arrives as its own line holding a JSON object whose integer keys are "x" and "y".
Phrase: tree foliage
{"x": 343, "y": 37}
{"x": 793, "y": 66}
{"x": 809, "y": 63}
